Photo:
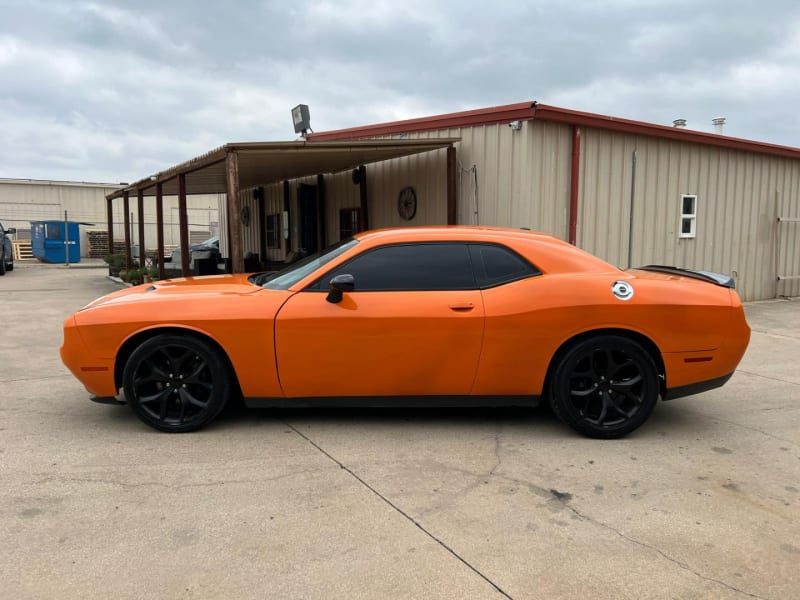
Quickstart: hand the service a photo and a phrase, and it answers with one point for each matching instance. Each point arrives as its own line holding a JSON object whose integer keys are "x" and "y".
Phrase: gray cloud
{"x": 117, "y": 90}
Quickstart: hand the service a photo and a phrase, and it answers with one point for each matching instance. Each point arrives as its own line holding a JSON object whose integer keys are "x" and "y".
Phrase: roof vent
{"x": 718, "y": 124}
{"x": 679, "y": 123}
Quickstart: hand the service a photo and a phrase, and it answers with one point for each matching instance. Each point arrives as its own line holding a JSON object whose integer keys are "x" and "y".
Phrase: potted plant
{"x": 134, "y": 276}
{"x": 150, "y": 274}
{"x": 115, "y": 263}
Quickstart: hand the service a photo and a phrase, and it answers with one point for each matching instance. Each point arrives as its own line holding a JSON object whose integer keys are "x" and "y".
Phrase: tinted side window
{"x": 408, "y": 267}
{"x": 495, "y": 265}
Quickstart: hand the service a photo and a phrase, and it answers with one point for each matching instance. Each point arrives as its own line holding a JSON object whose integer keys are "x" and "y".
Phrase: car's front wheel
{"x": 176, "y": 383}
{"x": 605, "y": 386}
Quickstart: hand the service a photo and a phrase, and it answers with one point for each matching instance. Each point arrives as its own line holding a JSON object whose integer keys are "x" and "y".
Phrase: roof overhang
{"x": 262, "y": 163}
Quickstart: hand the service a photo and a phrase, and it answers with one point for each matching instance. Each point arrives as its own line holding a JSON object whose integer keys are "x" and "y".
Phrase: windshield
{"x": 286, "y": 278}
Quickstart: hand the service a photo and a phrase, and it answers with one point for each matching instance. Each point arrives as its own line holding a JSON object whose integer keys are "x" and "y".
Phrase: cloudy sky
{"x": 115, "y": 90}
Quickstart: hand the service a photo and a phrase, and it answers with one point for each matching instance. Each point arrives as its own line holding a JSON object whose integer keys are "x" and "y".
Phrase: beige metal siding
{"x": 739, "y": 197}
{"x": 505, "y": 177}
{"x": 340, "y": 192}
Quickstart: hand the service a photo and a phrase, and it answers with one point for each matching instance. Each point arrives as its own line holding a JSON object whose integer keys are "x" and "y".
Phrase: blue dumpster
{"x": 50, "y": 238}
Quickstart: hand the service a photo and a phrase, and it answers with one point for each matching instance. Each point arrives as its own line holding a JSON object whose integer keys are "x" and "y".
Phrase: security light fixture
{"x": 301, "y": 119}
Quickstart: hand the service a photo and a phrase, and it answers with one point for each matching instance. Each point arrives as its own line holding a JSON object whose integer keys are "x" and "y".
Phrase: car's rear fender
{"x": 645, "y": 342}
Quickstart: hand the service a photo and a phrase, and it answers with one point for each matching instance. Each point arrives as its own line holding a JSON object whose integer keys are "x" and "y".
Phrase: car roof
{"x": 547, "y": 252}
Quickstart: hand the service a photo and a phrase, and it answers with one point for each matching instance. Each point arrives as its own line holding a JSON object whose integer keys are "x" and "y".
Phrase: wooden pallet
{"x": 22, "y": 249}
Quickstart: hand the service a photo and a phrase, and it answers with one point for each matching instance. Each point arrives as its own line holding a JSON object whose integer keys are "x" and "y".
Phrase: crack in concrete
{"x": 777, "y": 335}
{"x": 399, "y": 510}
{"x": 756, "y": 429}
{"x": 181, "y": 486}
{"x": 658, "y": 551}
{"x": 65, "y": 375}
{"x": 496, "y": 449}
{"x": 778, "y": 379}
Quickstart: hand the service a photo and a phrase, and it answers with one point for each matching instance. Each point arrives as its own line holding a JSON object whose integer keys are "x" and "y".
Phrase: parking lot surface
{"x": 703, "y": 501}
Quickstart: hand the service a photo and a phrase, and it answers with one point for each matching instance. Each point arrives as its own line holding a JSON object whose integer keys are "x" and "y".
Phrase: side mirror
{"x": 339, "y": 285}
{"x": 11, "y": 230}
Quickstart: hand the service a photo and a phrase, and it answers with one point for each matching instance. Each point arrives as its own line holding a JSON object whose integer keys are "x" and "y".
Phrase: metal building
{"x": 26, "y": 200}
{"x": 630, "y": 192}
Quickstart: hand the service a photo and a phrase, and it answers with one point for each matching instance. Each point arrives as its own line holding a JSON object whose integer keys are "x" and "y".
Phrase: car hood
{"x": 180, "y": 289}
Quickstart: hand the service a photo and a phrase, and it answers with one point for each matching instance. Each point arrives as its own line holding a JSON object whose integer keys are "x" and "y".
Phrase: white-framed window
{"x": 688, "y": 216}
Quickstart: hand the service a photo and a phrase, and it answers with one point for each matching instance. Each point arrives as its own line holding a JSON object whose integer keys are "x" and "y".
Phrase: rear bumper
{"x": 696, "y": 388}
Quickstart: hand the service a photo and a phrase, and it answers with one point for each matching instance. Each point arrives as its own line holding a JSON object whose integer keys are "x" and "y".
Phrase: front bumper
{"x": 96, "y": 374}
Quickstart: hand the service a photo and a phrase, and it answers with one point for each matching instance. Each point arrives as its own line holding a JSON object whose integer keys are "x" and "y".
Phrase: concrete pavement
{"x": 703, "y": 501}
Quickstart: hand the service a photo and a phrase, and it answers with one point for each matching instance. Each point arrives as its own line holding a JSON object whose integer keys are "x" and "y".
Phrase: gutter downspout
{"x": 574, "y": 185}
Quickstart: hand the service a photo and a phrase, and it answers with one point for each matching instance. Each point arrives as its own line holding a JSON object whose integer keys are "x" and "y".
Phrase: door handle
{"x": 462, "y": 306}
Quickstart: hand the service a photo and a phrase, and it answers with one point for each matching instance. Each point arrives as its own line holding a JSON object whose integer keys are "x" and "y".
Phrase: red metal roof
{"x": 525, "y": 111}
{"x": 482, "y": 116}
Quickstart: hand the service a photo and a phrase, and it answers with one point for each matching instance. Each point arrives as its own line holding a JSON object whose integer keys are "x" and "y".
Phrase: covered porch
{"x": 251, "y": 167}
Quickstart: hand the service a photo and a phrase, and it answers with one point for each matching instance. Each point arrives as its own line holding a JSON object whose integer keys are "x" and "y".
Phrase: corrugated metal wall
{"x": 23, "y": 202}
{"x": 739, "y": 198}
{"x": 505, "y": 177}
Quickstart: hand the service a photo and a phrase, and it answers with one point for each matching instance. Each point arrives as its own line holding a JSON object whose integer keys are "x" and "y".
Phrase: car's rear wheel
{"x": 3, "y": 265}
{"x": 176, "y": 383}
{"x": 604, "y": 387}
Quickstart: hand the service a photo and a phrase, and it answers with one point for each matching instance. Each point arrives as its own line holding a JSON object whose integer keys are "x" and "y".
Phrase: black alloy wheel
{"x": 605, "y": 387}
{"x": 177, "y": 383}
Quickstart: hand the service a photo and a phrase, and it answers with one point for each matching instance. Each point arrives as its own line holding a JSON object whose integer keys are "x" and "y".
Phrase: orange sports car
{"x": 428, "y": 316}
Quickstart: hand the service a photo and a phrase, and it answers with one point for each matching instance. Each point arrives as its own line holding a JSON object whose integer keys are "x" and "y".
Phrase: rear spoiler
{"x": 717, "y": 278}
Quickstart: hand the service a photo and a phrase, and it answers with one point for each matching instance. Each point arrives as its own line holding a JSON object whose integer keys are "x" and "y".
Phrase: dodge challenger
{"x": 427, "y": 316}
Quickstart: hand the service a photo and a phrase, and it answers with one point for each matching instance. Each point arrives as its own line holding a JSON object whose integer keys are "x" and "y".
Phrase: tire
{"x": 177, "y": 383}
{"x": 3, "y": 265}
{"x": 604, "y": 387}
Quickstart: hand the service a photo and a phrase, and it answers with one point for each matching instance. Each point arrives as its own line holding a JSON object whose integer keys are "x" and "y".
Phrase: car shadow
{"x": 534, "y": 416}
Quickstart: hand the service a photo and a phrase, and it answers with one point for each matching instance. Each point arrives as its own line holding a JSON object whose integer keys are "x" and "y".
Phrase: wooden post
{"x": 452, "y": 189}
{"x": 363, "y": 224}
{"x": 160, "y": 228}
{"x": 321, "y": 225}
{"x": 261, "y": 210}
{"x": 126, "y": 209}
{"x": 142, "y": 253}
{"x": 234, "y": 205}
{"x": 183, "y": 224}
{"x": 110, "y": 211}
{"x": 287, "y": 208}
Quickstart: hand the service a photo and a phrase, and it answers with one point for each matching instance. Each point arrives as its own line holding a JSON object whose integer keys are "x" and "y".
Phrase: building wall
{"x": 740, "y": 196}
{"x": 505, "y": 177}
{"x": 23, "y": 201}
{"x": 521, "y": 178}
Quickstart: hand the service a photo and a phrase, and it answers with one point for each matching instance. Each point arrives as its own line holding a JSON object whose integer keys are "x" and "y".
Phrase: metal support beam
{"x": 362, "y": 191}
{"x": 127, "y": 208}
{"x": 142, "y": 253}
{"x": 160, "y": 228}
{"x": 234, "y": 206}
{"x": 452, "y": 189}
{"x": 183, "y": 224}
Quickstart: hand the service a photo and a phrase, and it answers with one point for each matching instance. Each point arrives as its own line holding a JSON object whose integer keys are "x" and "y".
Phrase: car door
{"x": 413, "y": 325}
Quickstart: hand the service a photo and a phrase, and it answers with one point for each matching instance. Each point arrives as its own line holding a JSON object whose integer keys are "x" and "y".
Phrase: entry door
{"x": 307, "y": 202}
{"x": 413, "y": 326}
